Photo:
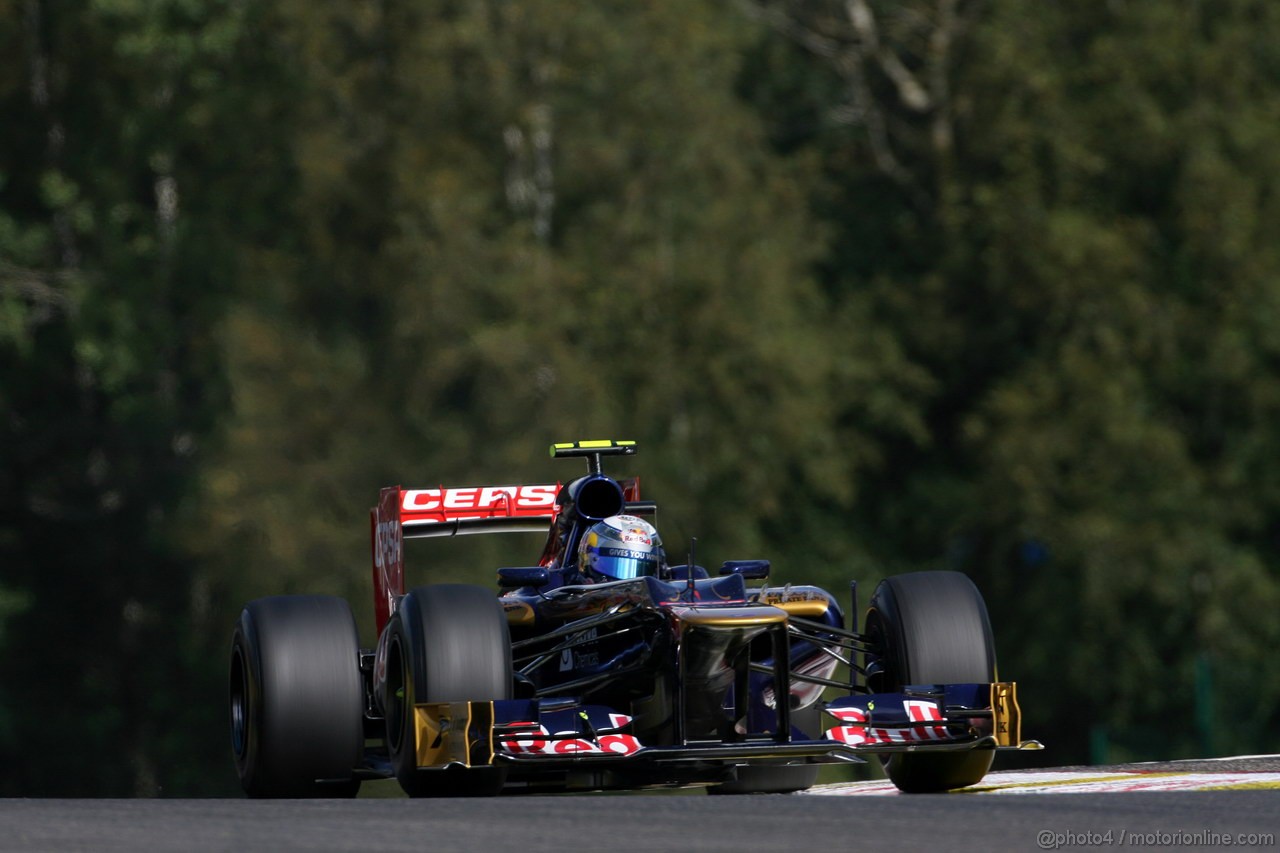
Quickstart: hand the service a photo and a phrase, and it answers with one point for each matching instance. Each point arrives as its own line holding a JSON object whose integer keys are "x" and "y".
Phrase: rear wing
{"x": 479, "y": 509}
{"x": 420, "y": 513}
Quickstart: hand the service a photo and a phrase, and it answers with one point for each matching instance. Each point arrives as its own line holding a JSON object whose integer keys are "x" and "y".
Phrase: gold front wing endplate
{"x": 454, "y": 733}
{"x": 1006, "y": 714}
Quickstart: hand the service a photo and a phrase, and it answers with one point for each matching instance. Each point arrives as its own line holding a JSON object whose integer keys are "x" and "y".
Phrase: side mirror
{"x": 514, "y": 578}
{"x": 682, "y": 573}
{"x": 750, "y": 569}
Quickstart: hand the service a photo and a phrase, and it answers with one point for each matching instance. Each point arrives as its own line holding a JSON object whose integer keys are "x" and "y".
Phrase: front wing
{"x": 561, "y": 734}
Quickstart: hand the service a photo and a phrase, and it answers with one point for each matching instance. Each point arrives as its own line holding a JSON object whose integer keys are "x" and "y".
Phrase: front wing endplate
{"x": 454, "y": 733}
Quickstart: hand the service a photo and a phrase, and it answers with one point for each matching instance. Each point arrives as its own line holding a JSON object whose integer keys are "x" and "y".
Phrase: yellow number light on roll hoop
{"x": 593, "y": 450}
{"x": 605, "y": 447}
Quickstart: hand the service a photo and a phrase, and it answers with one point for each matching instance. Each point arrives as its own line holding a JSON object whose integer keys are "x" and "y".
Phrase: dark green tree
{"x": 1075, "y": 200}
{"x": 572, "y": 227}
{"x": 122, "y": 172}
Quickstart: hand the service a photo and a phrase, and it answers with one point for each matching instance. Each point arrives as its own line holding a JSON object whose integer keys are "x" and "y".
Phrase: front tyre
{"x": 297, "y": 704}
{"x": 446, "y": 643}
{"x": 932, "y": 628}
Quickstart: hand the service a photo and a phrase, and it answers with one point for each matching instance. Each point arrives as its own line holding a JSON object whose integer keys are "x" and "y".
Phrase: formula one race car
{"x": 605, "y": 667}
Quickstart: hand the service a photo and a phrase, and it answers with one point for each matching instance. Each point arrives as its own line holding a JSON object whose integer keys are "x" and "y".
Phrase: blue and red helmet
{"x": 620, "y": 547}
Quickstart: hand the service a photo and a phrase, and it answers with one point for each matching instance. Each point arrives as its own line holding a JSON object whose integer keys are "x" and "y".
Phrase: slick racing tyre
{"x": 297, "y": 704}
{"x": 446, "y": 643}
{"x": 932, "y": 628}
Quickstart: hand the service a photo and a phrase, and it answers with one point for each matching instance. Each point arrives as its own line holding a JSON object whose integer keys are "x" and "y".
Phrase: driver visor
{"x": 624, "y": 564}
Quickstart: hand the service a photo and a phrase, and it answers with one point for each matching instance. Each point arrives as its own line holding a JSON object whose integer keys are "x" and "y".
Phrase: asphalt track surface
{"x": 1199, "y": 820}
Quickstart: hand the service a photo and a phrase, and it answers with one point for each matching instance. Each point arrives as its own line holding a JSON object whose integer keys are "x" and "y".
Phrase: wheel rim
{"x": 396, "y": 679}
{"x": 239, "y": 705}
{"x": 884, "y": 679}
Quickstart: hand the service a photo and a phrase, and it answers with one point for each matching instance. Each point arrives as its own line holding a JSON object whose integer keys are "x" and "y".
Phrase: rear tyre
{"x": 446, "y": 643}
{"x": 297, "y": 703}
{"x": 932, "y": 628}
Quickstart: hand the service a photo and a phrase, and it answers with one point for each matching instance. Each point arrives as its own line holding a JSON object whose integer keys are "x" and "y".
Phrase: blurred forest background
{"x": 988, "y": 285}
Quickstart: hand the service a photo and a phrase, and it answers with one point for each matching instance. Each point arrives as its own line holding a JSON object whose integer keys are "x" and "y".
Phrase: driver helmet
{"x": 620, "y": 547}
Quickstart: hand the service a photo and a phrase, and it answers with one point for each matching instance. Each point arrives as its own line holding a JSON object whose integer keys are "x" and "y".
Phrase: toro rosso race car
{"x": 602, "y": 666}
